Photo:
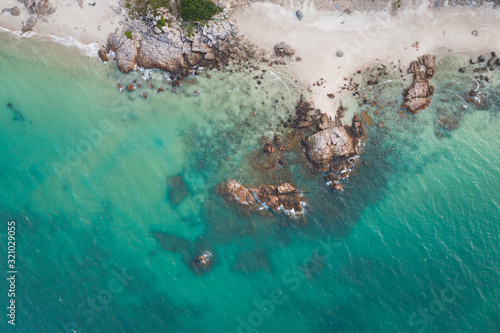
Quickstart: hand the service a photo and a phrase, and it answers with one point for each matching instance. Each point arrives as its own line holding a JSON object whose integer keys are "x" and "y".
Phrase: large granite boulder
{"x": 125, "y": 49}
{"x": 418, "y": 95}
{"x": 154, "y": 53}
{"x": 170, "y": 49}
{"x": 335, "y": 142}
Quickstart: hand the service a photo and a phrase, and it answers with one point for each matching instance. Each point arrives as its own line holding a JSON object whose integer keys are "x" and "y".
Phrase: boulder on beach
{"x": 333, "y": 142}
{"x": 29, "y": 24}
{"x": 283, "y": 49}
{"x": 15, "y": 11}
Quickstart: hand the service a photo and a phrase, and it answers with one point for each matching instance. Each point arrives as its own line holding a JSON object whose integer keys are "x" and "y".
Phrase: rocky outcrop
{"x": 41, "y": 8}
{"x": 418, "y": 96}
{"x": 173, "y": 49}
{"x": 330, "y": 146}
{"x": 125, "y": 49}
{"x": 29, "y": 24}
{"x": 155, "y": 53}
{"x": 283, "y": 197}
{"x": 202, "y": 263}
{"x": 283, "y": 50}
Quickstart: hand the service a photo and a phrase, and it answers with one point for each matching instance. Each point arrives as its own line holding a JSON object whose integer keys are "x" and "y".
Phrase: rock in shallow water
{"x": 418, "y": 95}
{"x": 282, "y": 197}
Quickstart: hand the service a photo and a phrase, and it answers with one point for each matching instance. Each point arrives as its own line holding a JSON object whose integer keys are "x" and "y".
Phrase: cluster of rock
{"x": 330, "y": 146}
{"x": 174, "y": 50}
{"x": 481, "y": 68}
{"x": 40, "y": 8}
{"x": 14, "y": 11}
{"x": 283, "y": 197}
{"x": 35, "y": 8}
{"x": 419, "y": 95}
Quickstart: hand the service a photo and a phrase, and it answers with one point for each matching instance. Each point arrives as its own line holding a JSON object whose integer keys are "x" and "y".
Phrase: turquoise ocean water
{"x": 411, "y": 245}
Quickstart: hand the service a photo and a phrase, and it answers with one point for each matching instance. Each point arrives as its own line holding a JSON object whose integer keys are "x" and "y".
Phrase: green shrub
{"x": 141, "y": 8}
{"x": 128, "y": 34}
{"x": 198, "y": 10}
{"x": 161, "y": 23}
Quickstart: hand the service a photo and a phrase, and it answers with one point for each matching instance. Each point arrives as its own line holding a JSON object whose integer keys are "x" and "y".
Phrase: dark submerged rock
{"x": 177, "y": 190}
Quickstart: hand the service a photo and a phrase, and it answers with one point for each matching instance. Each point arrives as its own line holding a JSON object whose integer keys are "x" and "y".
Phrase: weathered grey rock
{"x": 15, "y": 11}
{"x": 283, "y": 49}
{"x": 125, "y": 49}
{"x": 162, "y": 55}
{"x": 29, "y": 24}
{"x": 41, "y": 7}
{"x": 200, "y": 44}
{"x": 44, "y": 7}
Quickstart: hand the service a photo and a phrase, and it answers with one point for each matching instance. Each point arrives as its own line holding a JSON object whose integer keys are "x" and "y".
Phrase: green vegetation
{"x": 161, "y": 23}
{"x": 128, "y": 34}
{"x": 141, "y": 8}
{"x": 189, "y": 28}
{"x": 190, "y": 10}
{"x": 198, "y": 10}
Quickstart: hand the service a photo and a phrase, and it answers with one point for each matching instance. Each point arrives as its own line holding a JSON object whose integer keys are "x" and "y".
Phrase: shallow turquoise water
{"x": 411, "y": 245}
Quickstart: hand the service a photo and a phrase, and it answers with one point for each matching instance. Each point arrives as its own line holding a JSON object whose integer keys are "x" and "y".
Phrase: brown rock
{"x": 102, "y": 53}
{"x": 125, "y": 49}
{"x": 130, "y": 87}
{"x": 418, "y": 95}
{"x": 283, "y": 49}
{"x": 119, "y": 86}
{"x": 268, "y": 148}
{"x": 286, "y": 188}
{"x": 14, "y": 11}
{"x": 29, "y": 24}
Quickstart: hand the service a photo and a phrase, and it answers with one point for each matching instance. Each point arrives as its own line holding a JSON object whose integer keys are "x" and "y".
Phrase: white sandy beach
{"x": 365, "y": 38}
{"x": 90, "y": 24}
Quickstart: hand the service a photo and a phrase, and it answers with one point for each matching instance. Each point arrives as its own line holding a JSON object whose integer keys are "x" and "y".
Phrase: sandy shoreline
{"x": 90, "y": 24}
{"x": 365, "y": 38}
